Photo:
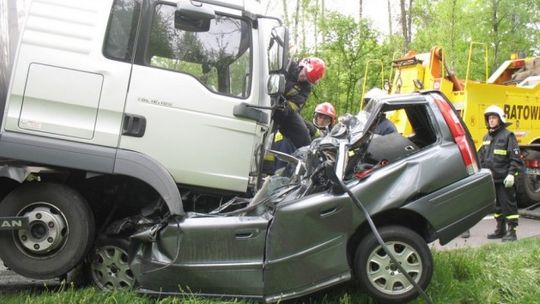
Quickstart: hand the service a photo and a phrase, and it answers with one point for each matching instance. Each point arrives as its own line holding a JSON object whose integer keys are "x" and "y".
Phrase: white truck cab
{"x": 158, "y": 98}
{"x": 118, "y": 82}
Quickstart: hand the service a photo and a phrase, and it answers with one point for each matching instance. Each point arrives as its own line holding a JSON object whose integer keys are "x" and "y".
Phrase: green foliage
{"x": 505, "y": 26}
{"x": 495, "y": 273}
{"x": 346, "y": 44}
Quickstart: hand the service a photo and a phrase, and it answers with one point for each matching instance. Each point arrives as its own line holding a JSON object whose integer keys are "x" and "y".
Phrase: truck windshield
{"x": 219, "y": 58}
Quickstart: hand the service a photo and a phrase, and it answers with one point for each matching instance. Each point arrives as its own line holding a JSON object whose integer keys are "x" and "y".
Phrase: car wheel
{"x": 380, "y": 277}
{"x": 60, "y": 232}
{"x": 109, "y": 266}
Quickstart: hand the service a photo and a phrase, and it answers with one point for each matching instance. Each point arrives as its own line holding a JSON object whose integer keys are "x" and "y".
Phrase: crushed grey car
{"x": 302, "y": 232}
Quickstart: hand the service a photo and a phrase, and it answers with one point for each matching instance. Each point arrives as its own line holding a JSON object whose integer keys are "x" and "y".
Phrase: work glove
{"x": 508, "y": 181}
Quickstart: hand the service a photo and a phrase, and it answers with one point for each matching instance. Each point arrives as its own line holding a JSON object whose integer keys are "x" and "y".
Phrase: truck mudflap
{"x": 14, "y": 223}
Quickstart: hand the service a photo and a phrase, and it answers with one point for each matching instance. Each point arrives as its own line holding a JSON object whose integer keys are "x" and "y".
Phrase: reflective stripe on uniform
{"x": 269, "y": 157}
{"x": 293, "y": 91}
{"x": 500, "y": 152}
{"x": 293, "y": 106}
{"x": 512, "y": 217}
{"x": 497, "y": 215}
{"x": 486, "y": 142}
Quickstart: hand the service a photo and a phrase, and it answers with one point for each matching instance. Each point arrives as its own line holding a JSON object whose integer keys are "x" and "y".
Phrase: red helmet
{"x": 315, "y": 68}
{"x": 327, "y": 109}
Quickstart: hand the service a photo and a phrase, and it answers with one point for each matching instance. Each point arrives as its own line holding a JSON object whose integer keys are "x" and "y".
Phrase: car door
{"x": 183, "y": 90}
{"x": 210, "y": 255}
{"x": 307, "y": 245}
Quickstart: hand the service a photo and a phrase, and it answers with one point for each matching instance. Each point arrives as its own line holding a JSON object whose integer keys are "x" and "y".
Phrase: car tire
{"x": 60, "y": 234}
{"x": 109, "y": 267}
{"x": 375, "y": 271}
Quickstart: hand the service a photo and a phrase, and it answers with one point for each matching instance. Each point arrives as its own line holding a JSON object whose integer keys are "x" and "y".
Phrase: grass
{"x": 495, "y": 273}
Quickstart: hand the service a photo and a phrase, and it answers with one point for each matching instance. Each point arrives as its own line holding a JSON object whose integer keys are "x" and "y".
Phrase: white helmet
{"x": 375, "y": 93}
{"x": 495, "y": 110}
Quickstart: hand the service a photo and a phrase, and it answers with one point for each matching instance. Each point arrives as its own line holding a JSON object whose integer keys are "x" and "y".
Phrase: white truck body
{"x": 69, "y": 100}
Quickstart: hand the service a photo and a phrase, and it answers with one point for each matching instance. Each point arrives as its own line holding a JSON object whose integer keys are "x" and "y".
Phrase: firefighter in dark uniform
{"x": 500, "y": 154}
{"x": 300, "y": 78}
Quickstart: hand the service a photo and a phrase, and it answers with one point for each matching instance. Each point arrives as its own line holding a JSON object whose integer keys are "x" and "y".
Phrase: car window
{"x": 121, "y": 30}
{"x": 220, "y": 58}
{"x": 414, "y": 132}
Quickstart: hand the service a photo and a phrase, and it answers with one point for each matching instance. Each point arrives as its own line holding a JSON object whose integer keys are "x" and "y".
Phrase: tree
{"x": 389, "y": 18}
{"x": 347, "y": 46}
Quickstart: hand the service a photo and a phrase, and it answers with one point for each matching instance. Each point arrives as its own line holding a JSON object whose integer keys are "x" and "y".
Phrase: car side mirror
{"x": 276, "y": 84}
{"x": 192, "y": 16}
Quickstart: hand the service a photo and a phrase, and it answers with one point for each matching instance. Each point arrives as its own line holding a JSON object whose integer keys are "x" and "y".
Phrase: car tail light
{"x": 460, "y": 136}
{"x": 532, "y": 163}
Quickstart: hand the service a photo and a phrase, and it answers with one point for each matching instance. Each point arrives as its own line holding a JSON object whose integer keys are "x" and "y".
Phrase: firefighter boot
{"x": 510, "y": 234}
{"x": 500, "y": 230}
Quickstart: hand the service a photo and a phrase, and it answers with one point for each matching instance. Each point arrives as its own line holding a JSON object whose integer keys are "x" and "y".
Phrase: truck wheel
{"x": 109, "y": 266}
{"x": 527, "y": 190}
{"x": 380, "y": 277}
{"x": 60, "y": 234}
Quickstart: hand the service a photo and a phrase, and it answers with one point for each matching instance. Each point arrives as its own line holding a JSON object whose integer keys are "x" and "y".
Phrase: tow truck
{"x": 514, "y": 86}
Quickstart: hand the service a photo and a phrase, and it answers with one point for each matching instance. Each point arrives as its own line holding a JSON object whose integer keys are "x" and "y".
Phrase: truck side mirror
{"x": 192, "y": 16}
{"x": 278, "y": 49}
{"x": 276, "y": 84}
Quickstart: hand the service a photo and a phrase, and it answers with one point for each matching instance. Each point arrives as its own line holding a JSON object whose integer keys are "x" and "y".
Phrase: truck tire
{"x": 528, "y": 185}
{"x": 60, "y": 234}
{"x": 527, "y": 190}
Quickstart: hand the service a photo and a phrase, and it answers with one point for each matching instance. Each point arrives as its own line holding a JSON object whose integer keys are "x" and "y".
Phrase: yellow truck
{"x": 514, "y": 86}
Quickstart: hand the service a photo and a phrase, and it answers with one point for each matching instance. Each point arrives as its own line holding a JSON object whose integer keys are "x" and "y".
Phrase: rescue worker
{"x": 300, "y": 79}
{"x": 324, "y": 118}
{"x": 500, "y": 154}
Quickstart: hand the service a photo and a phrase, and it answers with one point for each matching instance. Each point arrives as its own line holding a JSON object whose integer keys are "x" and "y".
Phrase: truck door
{"x": 183, "y": 90}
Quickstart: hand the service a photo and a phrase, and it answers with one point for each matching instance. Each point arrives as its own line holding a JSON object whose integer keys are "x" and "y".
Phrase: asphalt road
{"x": 11, "y": 282}
{"x": 527, "y": 228}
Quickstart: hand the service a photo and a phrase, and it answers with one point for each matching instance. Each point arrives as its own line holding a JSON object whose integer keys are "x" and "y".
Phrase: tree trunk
{"x": 389, "y": 19}
{"x": 495, "y": 27}
{"x": 453, "y": 30}
{"x": 322, "y": 19}
{"x": 403, "y": 19}
{"x": 409, "y": 23}
{"x": 304, "y": 4}
{"x": 296, "y": 17}
{"x": 315, "y": 24}
{"x": 286, "y": 13}
{"x": 360, "y": 7}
